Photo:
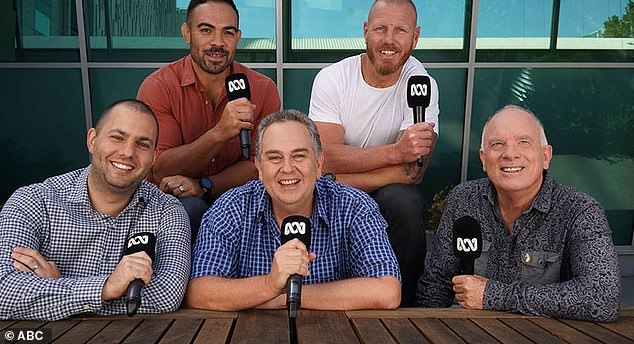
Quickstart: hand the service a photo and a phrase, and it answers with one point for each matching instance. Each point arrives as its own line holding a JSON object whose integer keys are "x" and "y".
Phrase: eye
{"x": 525, "y": 142}
{"x": 275, "y": 158}
{"x": 144, "y": 145}
{"x": 205, "y": 30}
{"x": 117, "y": 138}
{"x": 496, "y": 145}
{"x": 299, "y": 156}
{"x": 380, "y": 29}
{"x": 230, "y": 33}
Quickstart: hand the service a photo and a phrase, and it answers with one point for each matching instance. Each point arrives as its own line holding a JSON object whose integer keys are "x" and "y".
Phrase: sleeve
{"x": 267, "y": 105}
{"x": 371, "y": 254}
{"x": 156, "y": 95}
{"x": 25, "y": 295}
{"x": 216, "y": 249}
{"x": 325, "y": 99}
{"x": 592, "y": 293}
{"x": 171, "y": 264}
{"x": 435, "y": 288}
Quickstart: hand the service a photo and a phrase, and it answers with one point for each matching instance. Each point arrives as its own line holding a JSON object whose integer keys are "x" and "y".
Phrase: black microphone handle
{"x": 294, "y": 294}
{"x": 467, "y": 266}
{"x": 245, "y": 142}
{"x": 419, "y": 116}
{"x": 133, "y": 297}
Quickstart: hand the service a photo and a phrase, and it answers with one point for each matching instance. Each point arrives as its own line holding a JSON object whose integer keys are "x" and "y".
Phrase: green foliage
{"x": 437, "y": 207}
{"x": 620, "y": 27}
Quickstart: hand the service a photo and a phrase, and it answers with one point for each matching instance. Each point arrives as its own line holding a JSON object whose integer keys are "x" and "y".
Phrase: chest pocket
{"x": 540, "y": 267}
{"x": 480, "y": 264}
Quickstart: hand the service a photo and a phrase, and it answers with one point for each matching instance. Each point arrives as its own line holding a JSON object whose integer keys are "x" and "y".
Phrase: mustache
{"x": 216, "y": 50}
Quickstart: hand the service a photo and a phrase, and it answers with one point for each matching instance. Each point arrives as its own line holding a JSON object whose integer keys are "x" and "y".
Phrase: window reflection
{"x": 46, "y": 24}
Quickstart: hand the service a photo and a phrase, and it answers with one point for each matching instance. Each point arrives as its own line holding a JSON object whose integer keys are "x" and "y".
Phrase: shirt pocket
{"x": 480, "y": 264}
{"x": 539, "y": 267}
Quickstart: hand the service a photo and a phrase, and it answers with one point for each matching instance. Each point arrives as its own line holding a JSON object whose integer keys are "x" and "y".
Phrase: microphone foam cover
{"x": 144, "y": 241}
{"x": 418, "y": 91}
{"x": 296, "y": 226}
{"x": 467, "y": 238}
{"x": 237, "y": 86}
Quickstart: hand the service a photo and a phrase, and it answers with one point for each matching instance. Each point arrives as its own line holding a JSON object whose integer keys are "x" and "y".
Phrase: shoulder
{"x": 344, "y": 197}
{"x": 157, "y": 199}
{"x": 341, "y": 68}
{"x": 170, "y": 72}
{"x": 567, "y": 199}
{"x": 239, "y": 197}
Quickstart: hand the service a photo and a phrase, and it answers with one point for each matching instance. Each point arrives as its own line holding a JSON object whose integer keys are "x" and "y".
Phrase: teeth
{"x": 122, "y": 166}
{"x": 289, "y": 181}
{"x": 388, "y": 52}
{"x": 511, "y": 169}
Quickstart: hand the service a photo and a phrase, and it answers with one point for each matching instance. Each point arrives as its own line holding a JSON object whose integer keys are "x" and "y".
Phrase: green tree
{"x": 620, "y": 27}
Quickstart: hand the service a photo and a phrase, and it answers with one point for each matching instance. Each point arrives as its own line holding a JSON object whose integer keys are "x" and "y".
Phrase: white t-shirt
{"x": 370, "y": 116}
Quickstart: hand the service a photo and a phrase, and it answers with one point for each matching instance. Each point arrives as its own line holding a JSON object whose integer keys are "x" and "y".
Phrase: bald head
{"x": 515, "y": 110}
{"x": 130, "y": 105}
{"x": 377, "y": 6}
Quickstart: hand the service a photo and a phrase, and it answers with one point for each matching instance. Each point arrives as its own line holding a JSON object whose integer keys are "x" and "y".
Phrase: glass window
{"x": 514, "y": 24}
{"x": 596, "y": 24}
{"x": 338, "y": 24}
{"x": 139, "y": 29}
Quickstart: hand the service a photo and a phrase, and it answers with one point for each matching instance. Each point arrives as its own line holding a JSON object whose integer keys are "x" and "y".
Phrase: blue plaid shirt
{"x": 239, "y": 235}
{"x": 56, "y": 219}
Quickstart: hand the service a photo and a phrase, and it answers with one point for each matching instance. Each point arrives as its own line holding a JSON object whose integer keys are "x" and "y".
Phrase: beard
{"x": 386, "y": 68}
{"x": 213, "y": 67}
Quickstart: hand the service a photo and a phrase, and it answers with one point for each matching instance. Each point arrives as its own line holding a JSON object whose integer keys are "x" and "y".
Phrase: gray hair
{"x": 542, "y": 133}
{"x": 287, "y": 116}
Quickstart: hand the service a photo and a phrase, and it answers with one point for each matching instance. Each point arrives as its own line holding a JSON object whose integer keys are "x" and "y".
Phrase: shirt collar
{"x": 541, "y": 202}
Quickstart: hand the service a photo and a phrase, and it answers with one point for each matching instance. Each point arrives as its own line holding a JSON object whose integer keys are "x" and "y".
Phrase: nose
{"x": 510, "y": 151}
{"x": 127, "y": 149}
{"x": 217, "y": 39}
{"x": 388, "y": 38}
{"x": 287, "y": 166}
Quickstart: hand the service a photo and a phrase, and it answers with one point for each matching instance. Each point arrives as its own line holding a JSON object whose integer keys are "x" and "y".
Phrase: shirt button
{"x": 213, "y": 160}
{"x": 206, "y": 101}
{"x": 86, "y": 307}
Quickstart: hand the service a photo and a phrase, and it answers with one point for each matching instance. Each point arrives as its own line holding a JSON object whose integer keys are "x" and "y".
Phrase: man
{"x": 61, "y": 241}
{"x": 238, "y": 260}
{"x": 199, "y": 149}
{"x": 547, "y": 248}
{"x": 370, "y": 141}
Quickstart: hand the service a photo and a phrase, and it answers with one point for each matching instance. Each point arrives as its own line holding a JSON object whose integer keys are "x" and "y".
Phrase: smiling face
{"x": 289, "y": 168}
{"x": 213, "y": 35}
{"x": 122, "y": 150}
{"x": 513, "y": 156}
{"x": 390, "y": 35}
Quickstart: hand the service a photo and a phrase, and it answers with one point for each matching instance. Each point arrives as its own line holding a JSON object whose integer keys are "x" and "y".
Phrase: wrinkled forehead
{"x": 512, "y": 122}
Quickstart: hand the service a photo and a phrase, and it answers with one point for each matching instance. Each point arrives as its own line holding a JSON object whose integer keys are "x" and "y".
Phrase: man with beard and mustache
{"x": 370, "y": 141}
{"x": 199, "y": 149}
{"x": 61, "y": 240}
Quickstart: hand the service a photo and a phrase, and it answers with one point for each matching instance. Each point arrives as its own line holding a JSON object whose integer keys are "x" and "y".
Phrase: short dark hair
{"x": 194, "y": 3}
{"x": 132, "y": 104}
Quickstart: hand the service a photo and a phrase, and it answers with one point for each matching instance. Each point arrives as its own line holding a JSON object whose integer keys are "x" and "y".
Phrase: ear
{"x": 320, "y": 165}
{"x": 365, "y": 31}
{"x": 239, "y": 34}
{"x": 186, "y": 33}
{"x": 90, "y": 140}
{"x": 257, "y": 165}
{"x": 548, "y": 155}
{"x": 416, "y": 36}
{"x": 484, "y": 165}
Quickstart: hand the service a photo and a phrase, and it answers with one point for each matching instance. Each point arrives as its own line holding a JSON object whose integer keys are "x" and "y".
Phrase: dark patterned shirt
{"x": 239, "y": 235}
{"x": 558, "y": 260}
{"x": 56, "y": 219}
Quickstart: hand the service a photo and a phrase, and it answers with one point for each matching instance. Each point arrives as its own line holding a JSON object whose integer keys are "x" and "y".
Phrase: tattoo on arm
{"x": 413, "y": 172}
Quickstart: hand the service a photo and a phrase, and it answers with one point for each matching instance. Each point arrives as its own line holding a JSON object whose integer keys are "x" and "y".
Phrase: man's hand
{"x": 469, "y": 290}
{"x": 131, "y": 267}
{"x": 289, "y": 259}
{"x": 181, "y": 186}
{"x": 28, "y": 260}
{"x": 415, "y": 141}
{"x": 236, "y": 115}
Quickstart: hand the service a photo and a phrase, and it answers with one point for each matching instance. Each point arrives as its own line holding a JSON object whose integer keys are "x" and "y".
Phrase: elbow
{"x": 389, "y": 295}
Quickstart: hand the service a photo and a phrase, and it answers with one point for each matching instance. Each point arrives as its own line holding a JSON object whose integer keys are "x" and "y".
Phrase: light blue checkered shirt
{"x": 239, "y": 235}
{"x": 56, "y": 218}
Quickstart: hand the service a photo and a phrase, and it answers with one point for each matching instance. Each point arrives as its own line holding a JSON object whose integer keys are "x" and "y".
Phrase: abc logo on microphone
{"x": 236, "y": 85}
{"x": 295, "y": 228}
{"x": 418, "y": 90}
{"x": 467, "y": 244}
{"x": 138, "y": 240}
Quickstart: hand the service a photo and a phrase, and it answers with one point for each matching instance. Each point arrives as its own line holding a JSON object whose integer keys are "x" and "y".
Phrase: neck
{"x": 513, "y": 204}
{"x": 374, "y": 78}
{"x": 106, "y": 201}
{"x": 283, "y": 212}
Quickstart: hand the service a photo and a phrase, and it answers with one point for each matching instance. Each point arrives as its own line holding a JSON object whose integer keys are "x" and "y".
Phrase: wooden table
{"x": 409, "y": 325}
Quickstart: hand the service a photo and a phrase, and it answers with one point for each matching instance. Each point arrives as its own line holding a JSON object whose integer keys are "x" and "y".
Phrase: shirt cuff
{"x": 87, "y": 294}
{"x": 495, "y": 295}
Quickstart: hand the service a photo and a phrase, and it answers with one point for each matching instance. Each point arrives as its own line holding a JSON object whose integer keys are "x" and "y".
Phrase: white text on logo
{"x": 141, "y": 239}
{"x": 418, "y": 90}
{"x": 467, "y": 245}
{"x": 235, "y": 85}
{"x": 294, "y": 228}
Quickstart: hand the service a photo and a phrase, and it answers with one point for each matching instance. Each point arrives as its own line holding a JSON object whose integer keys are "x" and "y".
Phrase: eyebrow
{"x": 121, "y": 132}
{"x": 277, "y": 151}
{"x": 205, "y": 24}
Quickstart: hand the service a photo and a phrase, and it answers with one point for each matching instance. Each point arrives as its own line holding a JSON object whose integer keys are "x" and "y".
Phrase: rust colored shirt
{"x": 185, "y": 113}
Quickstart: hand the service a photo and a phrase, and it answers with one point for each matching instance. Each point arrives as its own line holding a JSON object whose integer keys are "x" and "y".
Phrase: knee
{"x": 400, "y": 198}
{"x": 194, "y": 205}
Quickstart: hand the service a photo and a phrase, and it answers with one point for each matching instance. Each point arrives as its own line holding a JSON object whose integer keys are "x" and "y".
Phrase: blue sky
{"x": 438, "y": 18}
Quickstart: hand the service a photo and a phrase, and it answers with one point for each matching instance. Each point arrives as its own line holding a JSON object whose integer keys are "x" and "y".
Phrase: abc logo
{"x": 137, "y": 240}
{"x": 294, "y": 228}
{"x": 467, "y": 245}
{"x": 418, "y": 90}
{"x": 235, "y": 85}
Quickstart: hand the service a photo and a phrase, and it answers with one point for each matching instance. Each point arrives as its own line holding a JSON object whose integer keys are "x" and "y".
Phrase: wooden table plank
{"x": 404, "y": 331}
{"x": 597, "y": 331}
{"x": 623, "y": 326}
{"x": 149, "y": 331}
{"x": 28, "y": 324}
{"x": 563, "y": 331}
{"x": 312, "y": 326}
{"x": 186, "y": 313}
{"x": 371, "y": 331}
{"x": 435, "y": 313}
{"x": 531, "y": 331}
{"x": 83, "y": 332}
{"x": 436, "y": 331}
{"x": 6, "y": 323}
{"x": 182, "y": 331}
{"x": 500, "y": 331}
{"x": 215, "y": 331}
{"x": 468, "y": 331}
{"x": 115, "y": 332}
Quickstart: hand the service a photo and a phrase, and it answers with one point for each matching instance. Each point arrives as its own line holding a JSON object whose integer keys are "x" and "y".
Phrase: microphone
{"x": 295, "y": 227}
{"x": 467, "y": 242}
{"x": 237, "y": 86}
{"x": 418, "y": 98}
{"x": 145, "y": 242}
